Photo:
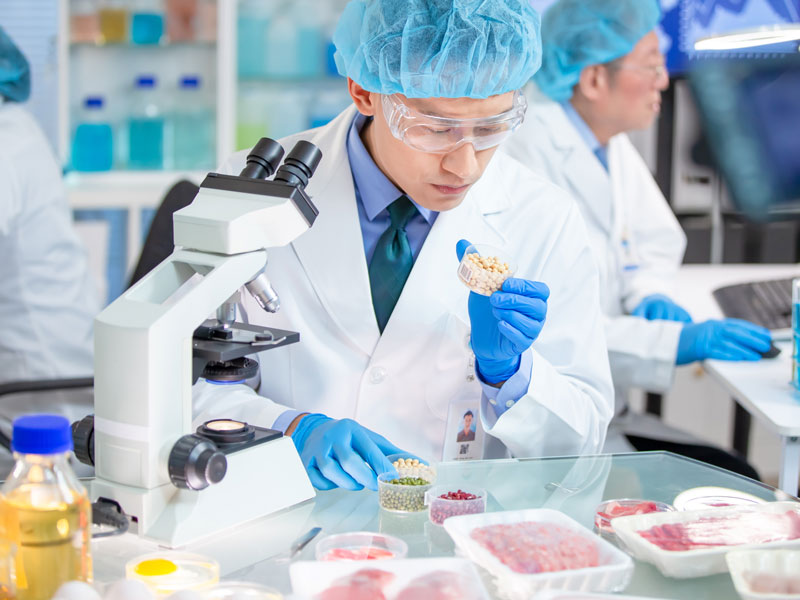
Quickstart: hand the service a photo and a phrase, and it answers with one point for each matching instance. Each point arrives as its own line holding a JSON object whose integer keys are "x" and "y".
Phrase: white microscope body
{"x": 174, "y": 484}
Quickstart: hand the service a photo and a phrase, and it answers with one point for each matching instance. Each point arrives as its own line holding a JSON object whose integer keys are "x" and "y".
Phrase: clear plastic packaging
{"x": 623, "y": 507}
{"x": 483, "y": 269}
{"x": 241, "y": 590}
{"x": 410, "y": 579}
{"x": 167, "y": 572}
{"x": 765, "y": 574}
{"x": 694, "y": 543}
{"x": 528, "y": 551}
{"x": 46, "y": 513}
{"x": 462, "y": 501}
{"x": 360, "y": 545}
{"x": 562, "y": 595}
{"x": 399, "y": 497}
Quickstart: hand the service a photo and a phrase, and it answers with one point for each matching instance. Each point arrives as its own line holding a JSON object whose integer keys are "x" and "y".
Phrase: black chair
{"x": 159, "y": 242}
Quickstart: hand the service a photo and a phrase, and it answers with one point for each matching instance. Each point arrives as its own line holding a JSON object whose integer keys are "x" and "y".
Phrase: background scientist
{"x": 602, "y": 75}
{"x": 390, "y": 338}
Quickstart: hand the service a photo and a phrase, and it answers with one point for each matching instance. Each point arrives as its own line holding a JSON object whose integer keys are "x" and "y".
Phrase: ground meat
{"x": 531, "y": 547}
{"x": 439, "y": 585}
{"x": 366, "y": 584}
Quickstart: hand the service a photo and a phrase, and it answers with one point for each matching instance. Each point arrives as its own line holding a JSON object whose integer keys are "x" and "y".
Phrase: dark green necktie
{"x": 392, "y": 261}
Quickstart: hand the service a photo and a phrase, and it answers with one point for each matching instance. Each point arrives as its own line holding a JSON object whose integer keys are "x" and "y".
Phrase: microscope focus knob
{"x": 83, "y": 440}
{"x": 195, "y": 463}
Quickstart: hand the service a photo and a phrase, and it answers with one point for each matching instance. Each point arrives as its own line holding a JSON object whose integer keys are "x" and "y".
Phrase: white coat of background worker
{"x": 47, "y": 298}
{"x": 602, "y": 75}
{"x": 434, "y": 86}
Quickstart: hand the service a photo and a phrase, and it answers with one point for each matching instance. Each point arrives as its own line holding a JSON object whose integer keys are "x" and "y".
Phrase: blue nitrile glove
{"x": 342, "y": 453}
{"x": 729, "y": 339}
{"x": 504, "y": 324}
{"x": 659, "y": 307}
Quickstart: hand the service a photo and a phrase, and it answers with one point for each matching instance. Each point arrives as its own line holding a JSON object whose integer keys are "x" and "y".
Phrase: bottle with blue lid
{"x": 192, "y": 127}
{"x": 146, "y": 126}
{"x": 92, "y": 143}
{"x": 45, "y": 513}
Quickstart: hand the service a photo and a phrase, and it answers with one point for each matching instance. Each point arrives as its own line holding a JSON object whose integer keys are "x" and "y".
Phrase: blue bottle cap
{"x": 146, "y": 81}
{"x": 190, "y": 81}
{"x": 41, "y": 434}
{"x": 93, "y": 102}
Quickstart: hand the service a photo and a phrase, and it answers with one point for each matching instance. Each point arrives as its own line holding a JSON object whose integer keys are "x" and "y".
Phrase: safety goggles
{"x": 440, "y": 135}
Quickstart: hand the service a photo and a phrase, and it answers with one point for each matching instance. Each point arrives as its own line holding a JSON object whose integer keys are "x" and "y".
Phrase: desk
{"x": 574, "y": 486}
{"x": 764, "y": 388}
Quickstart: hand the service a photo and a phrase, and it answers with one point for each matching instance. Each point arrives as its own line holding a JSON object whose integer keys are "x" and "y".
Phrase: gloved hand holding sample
{"x": 729, "y": 339}
{"x": 505, "y": 324}
{"x": 660, "y": 307}
{"x": 342, "y": 453}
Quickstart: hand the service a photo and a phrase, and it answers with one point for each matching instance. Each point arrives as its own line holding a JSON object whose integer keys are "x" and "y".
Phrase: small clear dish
{"x": 461, "y": 502}
{"x": 360, "y": 545}
{"x": 623, "y": 507}
{"x": 400, "y": 497}
{"x": 483, "y": 269}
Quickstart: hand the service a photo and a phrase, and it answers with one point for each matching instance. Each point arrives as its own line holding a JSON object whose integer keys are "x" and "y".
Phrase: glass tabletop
{"x": 257, "y": 552}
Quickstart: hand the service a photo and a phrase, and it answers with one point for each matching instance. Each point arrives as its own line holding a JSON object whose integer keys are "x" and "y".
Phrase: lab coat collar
{"x": 583, "y": 170}
{"x": 343, "y": 285}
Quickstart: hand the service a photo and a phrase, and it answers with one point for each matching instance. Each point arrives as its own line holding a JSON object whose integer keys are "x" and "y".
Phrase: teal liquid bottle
{"x": 193, "y": 127}
{"x": 92, "y": 143}
{"x": 146, "y": 127}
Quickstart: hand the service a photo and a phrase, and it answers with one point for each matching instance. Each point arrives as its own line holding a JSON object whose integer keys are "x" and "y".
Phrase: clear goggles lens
{"x": 439, "y": 135}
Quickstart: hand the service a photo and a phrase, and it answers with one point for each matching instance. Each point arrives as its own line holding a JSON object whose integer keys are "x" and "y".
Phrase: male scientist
{"x": 393, "y": 345}
{"x": 602, "y": 75}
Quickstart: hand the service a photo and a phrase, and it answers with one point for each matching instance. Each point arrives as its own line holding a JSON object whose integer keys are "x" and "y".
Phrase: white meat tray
{"x": 691, "y": 563}
{"x": 612, "y": 575}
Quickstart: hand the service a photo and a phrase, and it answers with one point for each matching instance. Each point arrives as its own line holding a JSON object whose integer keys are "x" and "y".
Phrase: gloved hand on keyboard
{"x": 729, "y": 339}
{"x": 505, "y": 324}
{"x": 342, "y": 453}
{"x": 660, "y": 307}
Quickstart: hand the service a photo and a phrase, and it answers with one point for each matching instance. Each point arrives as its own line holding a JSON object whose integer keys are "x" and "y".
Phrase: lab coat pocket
{"x": 452, "y": 365}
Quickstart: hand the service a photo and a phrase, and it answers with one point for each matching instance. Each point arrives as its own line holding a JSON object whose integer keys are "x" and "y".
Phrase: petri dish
{"x": 702, "y": 498}
{"x": 167, "y": 572}
{"x": 360, "y": 545}
{"x": 623, "y": 507}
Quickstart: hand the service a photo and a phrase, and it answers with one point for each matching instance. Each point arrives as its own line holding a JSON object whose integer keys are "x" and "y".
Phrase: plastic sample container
{"x": 611, "y": 572}
{"x": 360, "y": 545}
{"x": 398, "y": 497}
{"x": 483, "y": 269}
{"x": 440, "y": 509}
{"x": 623, "y": 507}
{"x": 167, "y": 572}
{"x": 241, "y": 590}
{"x": 765, "y": 574}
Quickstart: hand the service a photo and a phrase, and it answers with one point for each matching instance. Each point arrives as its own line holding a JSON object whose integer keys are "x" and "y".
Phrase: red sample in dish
{"x": 615, "y": 509}
{"x": 531, "y": 547}
{"x": 766, "y": 583}
{"x": 363, "y": 553}
{"x": 459, "y": 495}
{"x": 736, "y": 529}
{"x": 439, "y": 585}
{"x": 366, "y": 584}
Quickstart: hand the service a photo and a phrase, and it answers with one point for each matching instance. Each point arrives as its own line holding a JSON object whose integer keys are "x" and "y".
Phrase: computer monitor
{"x": 750, "y": 109}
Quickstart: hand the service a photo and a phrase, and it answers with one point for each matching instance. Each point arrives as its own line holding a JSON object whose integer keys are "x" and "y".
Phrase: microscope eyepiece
{"x": 263, "y": 159}
{"x": 300, "y": 164}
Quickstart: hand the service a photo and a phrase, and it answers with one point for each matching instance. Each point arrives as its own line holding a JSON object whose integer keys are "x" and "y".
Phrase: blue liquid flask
{"x": 193, "y": 139}
{"x": 146, "y": 127}
{"x": 92, "y": 144}
{"x": 796, "y": 333}
{"x": 147, "y": 23}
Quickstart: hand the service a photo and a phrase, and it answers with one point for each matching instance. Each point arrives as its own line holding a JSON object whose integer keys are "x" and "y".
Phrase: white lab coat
{"x": 401, "y": 383}
{"x": 47, "y": 298}
{"x": 638, "y": 245}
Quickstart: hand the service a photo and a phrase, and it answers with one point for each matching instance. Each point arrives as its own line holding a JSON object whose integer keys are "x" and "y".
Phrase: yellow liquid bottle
{"x": 45, "y": 513}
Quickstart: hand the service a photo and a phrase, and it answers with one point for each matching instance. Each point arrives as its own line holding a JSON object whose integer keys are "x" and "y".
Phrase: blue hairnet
{"x": 579, "y": 33}
{"x": 439, "y": 48}
{"x": 15, "y": 76}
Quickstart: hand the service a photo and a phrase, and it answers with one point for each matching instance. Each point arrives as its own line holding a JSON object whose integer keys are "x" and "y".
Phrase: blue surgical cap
{"x": 579, "y": 33}
{"x": 15, "y": 76}
{"x": 439, "y": 48}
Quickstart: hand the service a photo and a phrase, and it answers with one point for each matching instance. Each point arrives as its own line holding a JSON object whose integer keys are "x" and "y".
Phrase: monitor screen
{"x": 750, "y": 110}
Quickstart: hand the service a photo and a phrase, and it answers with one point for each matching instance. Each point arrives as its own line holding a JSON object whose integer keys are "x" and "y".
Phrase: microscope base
{"x": 261, "y": 480}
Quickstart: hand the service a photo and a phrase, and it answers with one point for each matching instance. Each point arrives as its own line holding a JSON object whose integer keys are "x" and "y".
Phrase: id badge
{"x": 630, "y": 258}
{"x": 464, "y": 434}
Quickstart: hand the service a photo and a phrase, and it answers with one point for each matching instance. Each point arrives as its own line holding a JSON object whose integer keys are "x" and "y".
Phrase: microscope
{"x": 178, "y": 485}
